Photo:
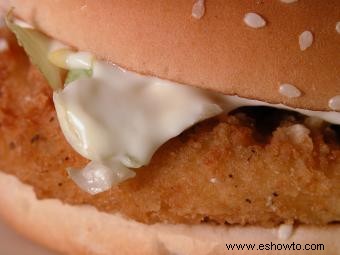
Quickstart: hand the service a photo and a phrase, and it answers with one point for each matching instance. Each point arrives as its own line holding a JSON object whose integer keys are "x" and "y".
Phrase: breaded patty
{"x": 224, "y": 170}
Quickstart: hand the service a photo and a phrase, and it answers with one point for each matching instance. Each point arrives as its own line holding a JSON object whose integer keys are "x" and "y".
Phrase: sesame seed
{"x": 288, "y": 1}
{"x": 334, "y": 103}
{"x": 3, "y": 45}
{"x": 254, "y": 20}
{"x": 285, "y": 231}
{"x": 289, "y": 90}
{"x": 198, "y": 9}
{"x": 305, "y": 40}
{"x": 337, "y": 27}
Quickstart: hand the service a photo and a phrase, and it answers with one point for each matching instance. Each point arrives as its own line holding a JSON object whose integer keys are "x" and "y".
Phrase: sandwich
{"x": 171, "y": 127}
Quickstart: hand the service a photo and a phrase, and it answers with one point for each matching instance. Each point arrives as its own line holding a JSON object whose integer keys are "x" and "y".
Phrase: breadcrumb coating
{"x": 226, "y": 170}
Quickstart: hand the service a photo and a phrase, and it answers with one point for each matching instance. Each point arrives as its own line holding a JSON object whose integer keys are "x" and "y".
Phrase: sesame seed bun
{"x": 218, "y": 51}
{"x": 84, "y": 230}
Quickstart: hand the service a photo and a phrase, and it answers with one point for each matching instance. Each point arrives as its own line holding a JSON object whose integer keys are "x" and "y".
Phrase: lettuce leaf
{"x": 36, "y": 45}
{"x": 76, "y": 74}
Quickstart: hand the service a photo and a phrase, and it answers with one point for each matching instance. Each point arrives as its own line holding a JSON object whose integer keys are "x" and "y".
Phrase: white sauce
{"x": 118, "y": 119}
{"x": 198, "y": 9}
{"x": 235, "y": 101}
{"x": 305, "y": 40}
{"x": 125, "y": 116}
{"x": 79, "y": 60}
{"x": 97, "y": 177}
{"x": 289, "y": 90}
{"x": 254, "y": 20}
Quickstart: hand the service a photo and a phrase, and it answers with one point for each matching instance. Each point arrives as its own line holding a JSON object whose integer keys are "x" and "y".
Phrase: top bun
{"x": 218, "y": 51}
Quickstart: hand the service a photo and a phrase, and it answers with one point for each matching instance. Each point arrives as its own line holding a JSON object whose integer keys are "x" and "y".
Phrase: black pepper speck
{"x": 12, "y": 145}
{"x": 35, "y": 138}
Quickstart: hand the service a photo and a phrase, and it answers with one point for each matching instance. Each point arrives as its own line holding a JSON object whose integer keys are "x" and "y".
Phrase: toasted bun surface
{"x": 84, "y": 230}
{"x": 217, "y": 52}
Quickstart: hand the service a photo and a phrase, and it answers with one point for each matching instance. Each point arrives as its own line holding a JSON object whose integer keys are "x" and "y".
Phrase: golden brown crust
{"x": 218, "y": 52}
{"x": 84, "y": 230}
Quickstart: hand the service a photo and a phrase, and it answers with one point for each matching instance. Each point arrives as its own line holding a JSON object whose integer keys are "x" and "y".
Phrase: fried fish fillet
{"x": 218, "y": 171}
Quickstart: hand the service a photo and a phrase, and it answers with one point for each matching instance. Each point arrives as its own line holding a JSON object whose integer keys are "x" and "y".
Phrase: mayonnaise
{"x": 118, "y": 119}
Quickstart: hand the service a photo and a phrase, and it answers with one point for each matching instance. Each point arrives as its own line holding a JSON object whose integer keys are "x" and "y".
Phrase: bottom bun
{"x": 84, "y": 230}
